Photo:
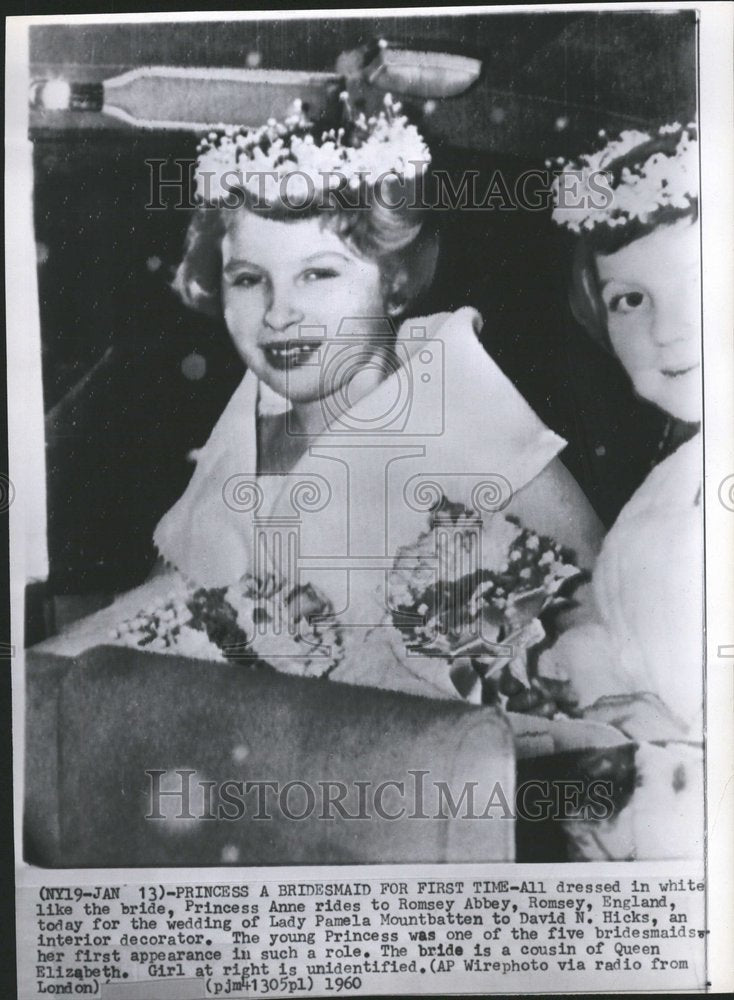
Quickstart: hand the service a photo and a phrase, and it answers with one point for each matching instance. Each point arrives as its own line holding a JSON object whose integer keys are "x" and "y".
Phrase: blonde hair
{"x": 397, "y": 237}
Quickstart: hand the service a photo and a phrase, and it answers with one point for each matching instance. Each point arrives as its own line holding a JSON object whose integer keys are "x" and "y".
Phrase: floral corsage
{"x": 480, "y": 596}
{"x": 255, "y": 621}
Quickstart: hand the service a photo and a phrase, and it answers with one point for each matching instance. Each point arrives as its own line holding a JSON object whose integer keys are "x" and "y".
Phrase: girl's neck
{"x": 309, "y": 419}
{"x": 313, "y": 418}
{"x": 283, "y": 439}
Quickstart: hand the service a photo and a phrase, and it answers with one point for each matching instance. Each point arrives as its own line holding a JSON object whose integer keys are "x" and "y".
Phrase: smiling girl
{"x": 318, "y": 276}
{"x": 284, "y": 287}
{"x": 636, "y": 289}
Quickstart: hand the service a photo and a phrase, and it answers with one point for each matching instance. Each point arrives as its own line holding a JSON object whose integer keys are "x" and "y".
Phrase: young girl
{"x": 315, "y": 254}
{"x": 636, "y": 289}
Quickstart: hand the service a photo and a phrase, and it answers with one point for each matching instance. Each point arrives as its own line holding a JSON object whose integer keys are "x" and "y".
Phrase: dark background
{"x": 122, "y": 413}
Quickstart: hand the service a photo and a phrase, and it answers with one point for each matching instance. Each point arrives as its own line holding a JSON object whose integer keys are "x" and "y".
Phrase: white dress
{"x": 446, "y": 421}
{"x": 648, "y": 588}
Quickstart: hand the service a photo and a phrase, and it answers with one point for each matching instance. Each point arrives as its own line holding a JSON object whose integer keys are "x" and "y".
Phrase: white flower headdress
{"x": 590, "y": 192}
{"x": 283, "y": 161}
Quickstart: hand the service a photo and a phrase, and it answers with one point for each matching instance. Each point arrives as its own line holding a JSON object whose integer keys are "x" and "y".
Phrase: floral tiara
{"x": 283, "y": 161}
{"x": 643, "y": 187}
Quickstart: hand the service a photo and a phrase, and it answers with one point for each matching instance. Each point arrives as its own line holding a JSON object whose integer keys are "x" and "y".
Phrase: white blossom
{"x": 382, "y": 146}
{"x": 658, "y": 182}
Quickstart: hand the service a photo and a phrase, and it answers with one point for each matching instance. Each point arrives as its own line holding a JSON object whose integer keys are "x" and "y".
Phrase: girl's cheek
{"x": 242, "y": 310}
{"x": 627, "y": 352}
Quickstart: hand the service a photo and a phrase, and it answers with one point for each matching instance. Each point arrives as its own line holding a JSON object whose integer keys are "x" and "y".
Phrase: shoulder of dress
{"x": 488, "y": 422}
{"x": 202, "y": 516}
{"x": 676, "y": 476}
{"x": 466, "y": 321}
{"x": 234, "y": 431}
{"x": 673, "y": 485}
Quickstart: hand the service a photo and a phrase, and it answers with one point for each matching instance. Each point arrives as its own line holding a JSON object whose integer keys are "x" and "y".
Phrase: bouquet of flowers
{"x": 258, "y": 620}
{"x": 481, "y": 596}
{"x": 478, "y": 596}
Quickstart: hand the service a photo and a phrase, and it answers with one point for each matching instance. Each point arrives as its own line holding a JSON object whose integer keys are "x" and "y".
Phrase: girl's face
{"x": 651, "y": 292}
{"x": 286, "y": 287}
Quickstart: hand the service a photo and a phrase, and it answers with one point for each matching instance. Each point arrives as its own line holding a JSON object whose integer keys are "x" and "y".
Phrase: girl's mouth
{"x": 285, "y": 354}
{"x": 678, "y": 372}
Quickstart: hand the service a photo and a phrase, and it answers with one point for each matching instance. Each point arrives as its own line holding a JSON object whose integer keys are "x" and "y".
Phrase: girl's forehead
{"x": 260, "y": 238}
{"x": 668, "y": 251}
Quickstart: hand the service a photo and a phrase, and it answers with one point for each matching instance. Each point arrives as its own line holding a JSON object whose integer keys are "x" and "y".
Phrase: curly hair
{"x": 396, "y": 236}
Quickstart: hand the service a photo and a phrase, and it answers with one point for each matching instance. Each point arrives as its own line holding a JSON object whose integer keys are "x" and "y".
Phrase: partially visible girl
{"x": 636, "y": 289}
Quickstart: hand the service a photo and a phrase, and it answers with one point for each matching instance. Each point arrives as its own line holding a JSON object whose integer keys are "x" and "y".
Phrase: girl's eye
{"x": 627, "y": 302}
{"x": 320, "y": 273}
{"x": 246, "y": 280}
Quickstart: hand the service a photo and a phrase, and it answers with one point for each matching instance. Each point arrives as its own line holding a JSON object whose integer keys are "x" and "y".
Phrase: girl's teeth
{"x": 290, "y": 353}
{"x": 293, "y": 349}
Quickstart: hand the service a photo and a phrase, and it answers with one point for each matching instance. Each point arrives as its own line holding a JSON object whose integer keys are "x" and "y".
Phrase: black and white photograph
{"x": 359, "y": 491}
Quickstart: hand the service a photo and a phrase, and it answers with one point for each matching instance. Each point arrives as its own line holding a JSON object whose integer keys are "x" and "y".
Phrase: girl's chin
{"x": 680, "y": 399}
{"x": 289, "y": 389}
{"x": 685, "y": 408}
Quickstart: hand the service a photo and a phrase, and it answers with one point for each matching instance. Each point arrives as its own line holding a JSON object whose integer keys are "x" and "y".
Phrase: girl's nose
{"x": 281, "y": 311}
